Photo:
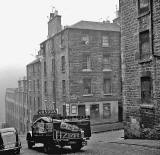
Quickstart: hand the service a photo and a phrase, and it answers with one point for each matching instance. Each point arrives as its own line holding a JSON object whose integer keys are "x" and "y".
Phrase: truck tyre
{"x": 47, "y": 148}
{"x": 30, "y": 144}
{"x": 76, "y": 147}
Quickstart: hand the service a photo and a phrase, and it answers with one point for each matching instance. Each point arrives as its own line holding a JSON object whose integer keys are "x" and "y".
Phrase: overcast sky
{"x": 24, "y": 26}
{"x": 24, "y": 23}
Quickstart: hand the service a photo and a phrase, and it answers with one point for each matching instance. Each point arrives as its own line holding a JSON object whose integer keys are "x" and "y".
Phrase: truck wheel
{"x": 30, "y": 144}
{"x": 47, "y": 148}
{"x": 76, "y": 147}
{"x": 17, "y": 151}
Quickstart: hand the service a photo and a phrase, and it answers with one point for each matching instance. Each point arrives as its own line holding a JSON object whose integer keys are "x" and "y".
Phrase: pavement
{"x": 97, "y": 128}
{"x": 140, "y": 142}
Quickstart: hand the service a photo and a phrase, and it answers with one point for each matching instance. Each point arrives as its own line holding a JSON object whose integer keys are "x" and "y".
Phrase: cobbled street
{"x": 105, "y": 143}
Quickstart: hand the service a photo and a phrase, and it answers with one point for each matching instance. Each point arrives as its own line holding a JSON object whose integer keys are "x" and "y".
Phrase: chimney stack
{"x": 54, "y": 24}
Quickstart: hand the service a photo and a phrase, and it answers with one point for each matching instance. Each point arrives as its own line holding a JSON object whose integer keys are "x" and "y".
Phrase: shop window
{"x": 86, "y": 62}
{"x": 107, "y": 86}
{"x": 87, "y": 86}
{"x": 105, "y": 41}
{"x": 146, "y": 89}
{"x": 94, "y": 111}
{"x": 144, "y": 45}
{"x": 74, "y": 109}
{"x": 143, "y": 6}
{"x": 106, "y": 110}
{"x": 63, "y": 63}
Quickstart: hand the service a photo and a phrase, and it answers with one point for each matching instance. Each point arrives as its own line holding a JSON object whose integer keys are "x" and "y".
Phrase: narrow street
{"x": 105, "y": 143}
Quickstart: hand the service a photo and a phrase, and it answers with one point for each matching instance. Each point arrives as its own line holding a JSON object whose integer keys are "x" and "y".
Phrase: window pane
{"x": 63, "y": 63}
{"x": 106, "y": 110}
{"x": 144, "y": 44}
{"x": 63, "y": 87}
{"x": 144, "y": 3}
{"x": 146, "y": 89}
{"x": 107, "y": 86}
{"x": 94, "y": 111}
{"x": 143, "y": 6}
{"x": 85, "y": 39}
{"x": 87, "y": 86}
{"x": 106, "y": 62}
{"x": 86, "y": 62}
{"x": 74, "y": 109}
{"x": 105, "y": 41}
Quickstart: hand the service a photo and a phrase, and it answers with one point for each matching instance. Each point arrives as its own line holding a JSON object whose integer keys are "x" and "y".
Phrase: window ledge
{"x": 87, "y": 95}
{"x": 107, "y": 70}
{"x": 86, "y": 70}
{"x": 143, "y": 14}
{"x": 147, "y": 60}
{"x": 105, "y": 46}
{"x": 110, "y": 94}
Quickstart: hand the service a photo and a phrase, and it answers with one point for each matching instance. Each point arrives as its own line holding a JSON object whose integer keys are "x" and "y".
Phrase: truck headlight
{"x": 82, "y": 134}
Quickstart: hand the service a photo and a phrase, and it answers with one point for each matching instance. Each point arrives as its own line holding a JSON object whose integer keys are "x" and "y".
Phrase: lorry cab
{"x": 9, "y": 141}
{"x": 53, "y": 129}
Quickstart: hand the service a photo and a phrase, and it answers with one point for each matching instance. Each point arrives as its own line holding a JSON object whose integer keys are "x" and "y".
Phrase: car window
{"x": 9, "y": 138}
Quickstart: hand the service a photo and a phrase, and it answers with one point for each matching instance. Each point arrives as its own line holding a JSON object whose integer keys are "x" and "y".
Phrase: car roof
{"x": 7, "y": 130}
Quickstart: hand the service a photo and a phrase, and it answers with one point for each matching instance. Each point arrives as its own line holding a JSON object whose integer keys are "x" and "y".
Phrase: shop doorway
{"x": 81, "y": 110}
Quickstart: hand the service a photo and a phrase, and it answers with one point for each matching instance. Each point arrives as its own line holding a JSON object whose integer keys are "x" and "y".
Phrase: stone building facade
{"x": 16, "y": 106}
{"x": 11, "y": 109}
{"x": 81, "y": 71}
{"x": 34, "y": 89}
{"x": 140, "y": 46}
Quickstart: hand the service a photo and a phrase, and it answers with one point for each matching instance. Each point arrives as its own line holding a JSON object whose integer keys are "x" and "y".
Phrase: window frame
{"x": 63, "y": 64}
{"x": 45, "y": 87}
{"x": 105, "y": 42}
{"x": 104, "y": 86}
{"x": 143, "y": 10}
{"x": 109, "y": 110}
{"x": 85, "y": 85}
{"x": 74, "y": 111}
{"x": 107, "y": 64}
{"x": 85, "y": 39}
{"x": 63, "y": 87}
{"x": 143, "y": 89}
{"x": 142, "y": 41}
{"x": 86, "y": 62}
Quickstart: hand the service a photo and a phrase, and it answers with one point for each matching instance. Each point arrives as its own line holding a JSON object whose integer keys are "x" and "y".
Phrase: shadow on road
{"x": 58, "y": 150}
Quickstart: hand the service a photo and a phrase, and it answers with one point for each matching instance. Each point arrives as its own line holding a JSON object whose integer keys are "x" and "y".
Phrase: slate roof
{"x": 35, "y": 61}
{"x": 96, "y": 26}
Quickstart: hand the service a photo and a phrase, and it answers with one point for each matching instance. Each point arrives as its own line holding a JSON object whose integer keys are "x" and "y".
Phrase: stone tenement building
{"x": 81, "y": 71}
{"x": 16, "y": 106}
{"x": 140, "y": 47}
{"x": 34, "y": 89}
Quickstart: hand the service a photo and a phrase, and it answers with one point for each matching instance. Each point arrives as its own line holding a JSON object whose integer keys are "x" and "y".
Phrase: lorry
{"x": 52, "y": 129}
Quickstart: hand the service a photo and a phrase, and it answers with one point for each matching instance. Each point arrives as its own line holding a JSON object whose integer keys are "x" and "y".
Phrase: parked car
{"x": 9, "y": 141}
